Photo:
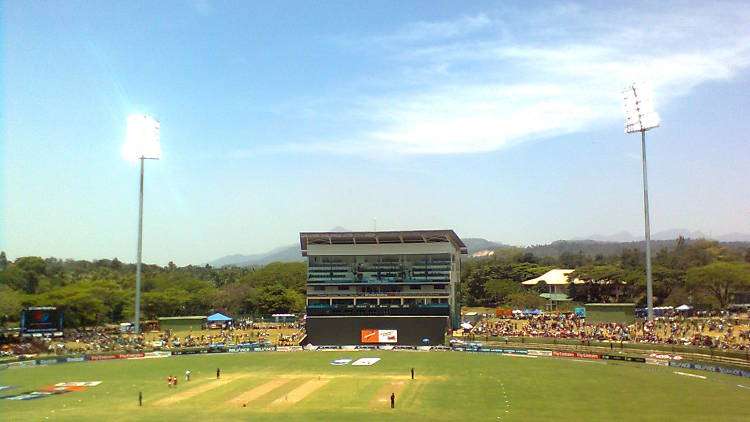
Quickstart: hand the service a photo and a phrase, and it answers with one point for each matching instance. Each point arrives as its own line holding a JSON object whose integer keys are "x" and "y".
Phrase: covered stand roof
{"x": 218, "y": 317}
{"x": 554, "y": 277}
{"x": 370, "y": 238}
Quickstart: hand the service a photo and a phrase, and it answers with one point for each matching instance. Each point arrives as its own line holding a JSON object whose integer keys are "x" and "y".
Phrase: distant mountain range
{"x": 670, "y": 234}
{"x": 289, "y": 253}
{"x": 605, "y": 244}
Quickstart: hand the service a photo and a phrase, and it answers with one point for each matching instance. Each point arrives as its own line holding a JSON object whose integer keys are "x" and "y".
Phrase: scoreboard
{"x": 42, "y": 319}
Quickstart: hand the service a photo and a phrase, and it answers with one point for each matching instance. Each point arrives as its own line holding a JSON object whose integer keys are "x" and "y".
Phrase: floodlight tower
{"x": 142, "y": 143}
{"x": 640, "y": 116}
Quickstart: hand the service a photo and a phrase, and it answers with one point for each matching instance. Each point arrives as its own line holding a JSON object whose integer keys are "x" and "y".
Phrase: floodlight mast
{"x": 640, "y": 117}
{"x": 143, "y": 141}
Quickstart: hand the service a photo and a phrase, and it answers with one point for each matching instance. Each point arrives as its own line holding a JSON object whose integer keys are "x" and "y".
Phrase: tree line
{"x": 703, "y": 273}
{"x": 102, "y": 291}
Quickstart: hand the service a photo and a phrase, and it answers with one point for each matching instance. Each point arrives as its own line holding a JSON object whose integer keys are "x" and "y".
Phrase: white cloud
{"x": 479, "y": 93}
{"x": 430, "y": 31}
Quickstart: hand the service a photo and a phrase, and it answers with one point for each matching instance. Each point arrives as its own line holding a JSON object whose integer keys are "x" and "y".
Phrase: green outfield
{"x": 305, "y": 386}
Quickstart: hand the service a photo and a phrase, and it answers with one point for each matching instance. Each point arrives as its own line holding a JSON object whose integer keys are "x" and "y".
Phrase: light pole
{"x": 142, "y": 144}
{"x": 640, "y": 116}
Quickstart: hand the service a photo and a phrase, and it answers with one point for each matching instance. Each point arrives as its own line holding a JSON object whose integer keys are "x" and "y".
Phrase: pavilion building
{"x": 388, "y": 287}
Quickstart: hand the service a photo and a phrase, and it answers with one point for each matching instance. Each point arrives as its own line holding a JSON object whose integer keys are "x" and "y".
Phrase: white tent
{"x": 466, "y": 326}
{"x": 684, "y": 308}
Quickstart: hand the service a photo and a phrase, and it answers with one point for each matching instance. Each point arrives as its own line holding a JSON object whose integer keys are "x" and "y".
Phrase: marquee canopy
{"x": 218, "y": 317}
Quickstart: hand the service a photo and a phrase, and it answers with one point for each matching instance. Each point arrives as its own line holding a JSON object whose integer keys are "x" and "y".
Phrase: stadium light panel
{"x": 142, "y": 139}
{"x": 640, "y": 114}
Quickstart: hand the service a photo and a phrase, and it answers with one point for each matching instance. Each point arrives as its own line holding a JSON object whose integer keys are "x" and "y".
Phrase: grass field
{"x": 305, "y": 386}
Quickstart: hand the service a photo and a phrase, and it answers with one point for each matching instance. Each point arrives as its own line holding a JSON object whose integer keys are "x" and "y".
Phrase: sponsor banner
{"x": 665, "y": 356}
{"x": 243, "y": 347}
{"x": 387, "y": 336}
{"x": 188, "y": 351}
{"x": 365, "y": 362}
{"x": 130, "y": 356}
{"x": 710, "y": 368}
{"x": 516, "y": 351}
{"x": 22, "y": 364}
{"x": 368, "y": 335}
{"x": 659, "y": 362}
{"x": 613, "y": 357}
{"x": 373, "y": 336}
{"x": 32, "y": 395}
{"x": 47, "y": 361}
{"x": 340, "y": 362}
{"x": 588, "y": 355}
{"x": 575, "y": 355}
{"x": 78, "y": 384}
{"x": 405, "y": 347}
{"x": 75, "y": 359}
{"x": 59, "y": 388}
{"x": 159, "y": 354}
{"x": 264, "y": 349}
{"x": 533, "y": 352}
{"x": 635, "y": 359}
{"x": 101, "y": 357}
{"x": 288, "y": 348}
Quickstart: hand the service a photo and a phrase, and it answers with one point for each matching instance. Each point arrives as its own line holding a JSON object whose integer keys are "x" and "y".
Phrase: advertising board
{"x": 373, "y": 336}
{"x": 536, "y": 352}
{"x": 710, "y": 368}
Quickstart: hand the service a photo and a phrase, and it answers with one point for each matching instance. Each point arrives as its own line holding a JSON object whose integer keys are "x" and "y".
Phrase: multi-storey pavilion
{"x": 361, "y": 282}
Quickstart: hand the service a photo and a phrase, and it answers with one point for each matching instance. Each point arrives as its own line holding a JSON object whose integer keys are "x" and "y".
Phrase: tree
{"x": 529, "y": 258}
{"x": 500, "y": 290}
{"x": 3, "y": 261}
{"x": 33, "y": 268}
{"x": 526, "y": 300}
{"x": 572, "y": 260}
{"x": 13, "y": 277}
{"x": 11, "y": 303}
{"x": 275, "y": 299}
{"x": 720, "y": 279}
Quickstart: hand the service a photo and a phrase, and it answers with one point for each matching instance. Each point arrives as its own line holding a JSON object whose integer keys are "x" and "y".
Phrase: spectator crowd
{"x": 111, "y": 339}
{"x": 722, "y": 332}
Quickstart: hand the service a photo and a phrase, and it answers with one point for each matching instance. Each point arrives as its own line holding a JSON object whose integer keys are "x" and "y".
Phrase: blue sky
{"x": 497, "y": 119}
